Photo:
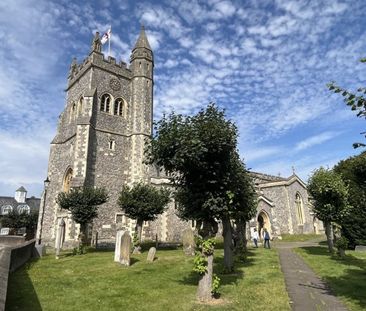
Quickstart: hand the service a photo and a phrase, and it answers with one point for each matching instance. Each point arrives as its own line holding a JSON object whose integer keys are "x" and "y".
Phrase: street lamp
{"x": 46, "y": 183}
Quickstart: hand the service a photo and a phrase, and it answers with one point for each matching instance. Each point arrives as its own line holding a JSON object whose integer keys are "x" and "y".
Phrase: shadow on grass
{"x": 348, "y": 260}
{"x": 226, "y": 278}
{"x": 133, "y": 260}
{"x": 352, "y": 283}
{"x": 16, "y": 299}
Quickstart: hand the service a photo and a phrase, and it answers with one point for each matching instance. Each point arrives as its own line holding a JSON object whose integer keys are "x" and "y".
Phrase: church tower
{"x": 101, "y": 135}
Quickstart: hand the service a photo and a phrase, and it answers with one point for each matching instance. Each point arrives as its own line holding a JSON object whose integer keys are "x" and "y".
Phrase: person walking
{"x": 266, "y": 238}
{"x": 255, "y": 237}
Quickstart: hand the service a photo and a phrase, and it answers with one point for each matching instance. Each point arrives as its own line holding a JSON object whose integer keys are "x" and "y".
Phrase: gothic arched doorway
{"x": 263, "y": 222}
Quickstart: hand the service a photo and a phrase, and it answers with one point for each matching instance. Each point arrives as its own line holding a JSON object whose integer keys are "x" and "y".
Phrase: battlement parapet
{"x": 98, "y": 60}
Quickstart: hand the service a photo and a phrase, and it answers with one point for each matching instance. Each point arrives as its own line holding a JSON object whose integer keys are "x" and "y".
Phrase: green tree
{"x": 244, "y": 202}
{"x": 143, "y": 202}
{"x": 355, "y": 100}
{"x": 330, "y": 195}
{"x": 18, "y": 220}
{"x": 353, "y": 172}
{"x": 83, "y": 203}
{"x": 197, "y": 152}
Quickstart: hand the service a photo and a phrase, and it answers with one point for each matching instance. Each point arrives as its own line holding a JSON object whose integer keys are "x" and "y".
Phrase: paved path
{"x": 307, "y": 291}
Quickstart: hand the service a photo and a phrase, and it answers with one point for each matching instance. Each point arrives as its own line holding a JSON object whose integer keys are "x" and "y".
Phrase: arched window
{"x": 6, "y": 209}
{"x": 105, "y": 102}
{"x": 119, "y": 107}
{"x": 67, "y": 180}
{"x": 80, "y": 106}
{"x": 23, "y": 209}
{"x": 299, "y": 208}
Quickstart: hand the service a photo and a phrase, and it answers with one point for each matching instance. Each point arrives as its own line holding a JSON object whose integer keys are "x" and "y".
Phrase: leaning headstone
{"x": 360, "y": 248}
{"x": 117, "y": 250}
{"x": 151, "y": 254}
{"x": 188, "y": 242}
{"x": 125, "y": 249}
{"x": 59, "y": 236}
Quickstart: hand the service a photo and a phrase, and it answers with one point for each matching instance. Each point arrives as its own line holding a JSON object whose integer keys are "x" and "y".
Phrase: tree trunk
{"x": 139, "y": 223}
{"x": 204, "y": 291}
{"x": 228, "y": 245}
{"x": 336, "y": 233}
{"x": 138, "y": 230}
{"x": 241, "y": 246}
{"x": 83, "y": 239}
{"x": 329, "y": 234}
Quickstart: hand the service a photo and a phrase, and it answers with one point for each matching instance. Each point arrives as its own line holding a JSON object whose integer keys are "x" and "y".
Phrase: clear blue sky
{"x": 266, "y": 62}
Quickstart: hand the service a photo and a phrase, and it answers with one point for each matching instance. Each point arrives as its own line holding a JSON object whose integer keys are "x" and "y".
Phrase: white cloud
{"x": 315, "y": 140}
{"x": 261, "y": 152}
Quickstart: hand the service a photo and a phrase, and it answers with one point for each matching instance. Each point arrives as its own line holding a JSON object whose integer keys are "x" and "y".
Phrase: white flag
{"x": 106, "y": 36}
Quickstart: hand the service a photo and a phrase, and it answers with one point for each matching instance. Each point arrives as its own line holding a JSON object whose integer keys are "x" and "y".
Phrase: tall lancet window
{"x": 80, "y": 106}
{"x": 67, "y": 180}
{"x": 119, "y": 107}
{"x": 105, "y": 103}
{"x": 299, "y": 208}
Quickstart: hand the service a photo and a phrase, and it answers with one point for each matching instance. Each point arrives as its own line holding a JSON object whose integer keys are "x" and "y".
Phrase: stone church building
{"x": 100, "y": 142}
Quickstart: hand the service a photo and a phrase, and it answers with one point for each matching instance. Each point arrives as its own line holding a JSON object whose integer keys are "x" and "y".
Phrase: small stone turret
{"x": 96, "y": 44}
{"x": 20, "y": 195}
{"x": 141, "y": 66}
{"x": 142, "y": 59}
{"x": 73, "y": 68}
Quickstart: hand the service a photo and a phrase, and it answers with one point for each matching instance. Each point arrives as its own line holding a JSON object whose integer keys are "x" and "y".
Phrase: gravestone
{"x": 188, "y": 242}
{"x": 59, "y": 237}
{"x": 4, "y": 231}
{"x": 125, "y": 252}
{"x": 151, "y": 254}
{"x": 360, "y": 248}
{"x": 117, "y": 249}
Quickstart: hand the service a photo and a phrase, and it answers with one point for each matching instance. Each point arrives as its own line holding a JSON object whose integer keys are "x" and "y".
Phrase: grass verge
{"x": 300, "y": 237}
{"x": 94, "y": 282}
{"x": 346, "y": 277}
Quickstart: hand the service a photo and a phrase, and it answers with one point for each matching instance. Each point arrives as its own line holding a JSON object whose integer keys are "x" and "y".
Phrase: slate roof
{"x": 264, "y": 178}
{"x": 32, "y": 202}
{"x": 21, "y": 189}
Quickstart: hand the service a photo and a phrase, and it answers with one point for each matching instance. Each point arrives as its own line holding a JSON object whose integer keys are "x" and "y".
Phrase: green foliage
{"x": 83, "y": 203}
{"x": 200, "y": 263}
{"x": 80, "y": 250}
{"x": 330, "y": 195}
{"x": 20, "y": 220}
{"x": 205, "y": 246}
{"x": 136, "y": 240}
{"x": 341, "y": 243}
{"x": 242, "y": 196}
{"x": 353, "y": 172}
{"x": 215, "y": 286}
{"x": 196, "y": 152}
{"x": 355, "y": 100}
{"x": 143, "y": 201}
{"x": 199, "y": 154}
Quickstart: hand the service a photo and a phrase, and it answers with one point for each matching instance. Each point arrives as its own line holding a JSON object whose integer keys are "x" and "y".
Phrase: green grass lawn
{"x": 300, "y": 237}
{"x": 94, "y": 282}
{"x": 346, "y": 277}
